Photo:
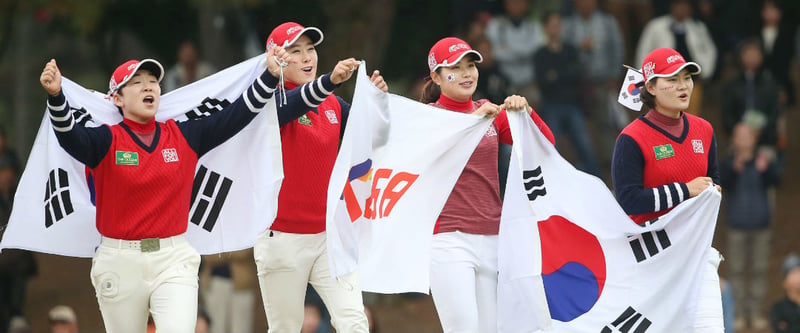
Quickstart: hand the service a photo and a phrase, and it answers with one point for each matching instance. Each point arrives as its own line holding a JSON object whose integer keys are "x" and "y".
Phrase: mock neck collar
{"x": 290, "y": 85}
{"x": 451, "y": 104}
{"x": 663, "y": 119}
{"x": 148, "y": 127}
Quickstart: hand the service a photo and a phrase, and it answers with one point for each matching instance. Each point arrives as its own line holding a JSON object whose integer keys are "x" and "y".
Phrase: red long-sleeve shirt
{"x": 474, "y": 205}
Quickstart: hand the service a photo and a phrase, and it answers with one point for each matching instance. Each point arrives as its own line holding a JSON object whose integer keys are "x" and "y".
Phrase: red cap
{"x": 665, "y": 62}
{"x": 124, "y": 72}
{"x": 448, "y": 51}
{"x": 288, "y": 33}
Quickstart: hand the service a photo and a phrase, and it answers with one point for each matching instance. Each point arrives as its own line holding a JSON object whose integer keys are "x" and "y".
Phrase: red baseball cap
{"x": 665, "y": 62}
{"x": 125, "y": 72}
{"x": 448, "y": 51}
{"x": 288, "y": 33}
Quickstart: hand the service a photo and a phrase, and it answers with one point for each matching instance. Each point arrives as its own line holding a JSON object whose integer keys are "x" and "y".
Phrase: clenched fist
{"x": 51, "y": 78}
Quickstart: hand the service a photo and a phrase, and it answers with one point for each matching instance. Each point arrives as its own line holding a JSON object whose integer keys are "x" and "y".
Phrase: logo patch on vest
{"x": 697, "y": 146}
{"x": 304, "y": 120}
{"x": 332, "y": 116}
{"x": 663, "y": 151}
{"x": 491, "y": 132}
{"x": 127, "y": 157}
{"x": 170, "y": 155}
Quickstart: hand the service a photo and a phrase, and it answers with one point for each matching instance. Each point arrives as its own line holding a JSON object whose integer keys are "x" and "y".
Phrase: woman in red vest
{"x": 143, "y": 172}
{"x": 293, "y": 252}
{"x": 667, "y": 156}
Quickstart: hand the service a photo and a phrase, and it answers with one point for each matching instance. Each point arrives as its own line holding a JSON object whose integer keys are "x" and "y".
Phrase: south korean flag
{"x": 629, "y": 93}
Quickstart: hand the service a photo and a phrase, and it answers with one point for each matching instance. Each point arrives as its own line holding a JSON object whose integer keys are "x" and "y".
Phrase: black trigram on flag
{"x": 206, "y": 108}
{"x": 648, "y": 244}
{"x": 57, "y": 203}
{"x": 534, "y": 183}
{"x": 629, "y": 321}
{"x": 207, "y": 204}
{"x": 81, "y": 116}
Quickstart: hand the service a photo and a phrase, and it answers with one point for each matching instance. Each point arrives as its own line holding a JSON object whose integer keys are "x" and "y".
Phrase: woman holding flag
{"x": 464, "y": 250}
{"x": 667, "y": 156}
{"x": 293, "y": 252}
{"x": 143, "y": 172}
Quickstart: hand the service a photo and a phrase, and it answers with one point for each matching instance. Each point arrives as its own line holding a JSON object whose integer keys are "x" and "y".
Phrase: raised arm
{"x": 88, "y": 145}
{"x": 209, "y": 132}
{"x": 310, "y": 95}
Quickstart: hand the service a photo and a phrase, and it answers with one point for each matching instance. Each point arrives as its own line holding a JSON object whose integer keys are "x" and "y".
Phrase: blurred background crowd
{"x": 565, "y": 56}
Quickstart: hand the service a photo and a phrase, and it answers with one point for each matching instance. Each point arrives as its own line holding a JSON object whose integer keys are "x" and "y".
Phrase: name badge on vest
{"x": 663, "y": 151}
{"x": 127, "y": 157}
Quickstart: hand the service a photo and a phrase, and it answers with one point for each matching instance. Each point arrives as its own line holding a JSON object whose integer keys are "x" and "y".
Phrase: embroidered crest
{"x": 491, "y": 132}
{"x": 170, "y": 155}
{"x": 649, "y": 69}
{"x": 431, "y": 61}
{"x": 332, "y": 116}
{"x": 697, "y": 146}
{"x": 304, "y": 120}
{"x": 112, "y": 85}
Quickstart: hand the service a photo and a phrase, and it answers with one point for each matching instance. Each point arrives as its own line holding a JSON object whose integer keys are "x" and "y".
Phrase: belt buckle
{"x": 150, "y": 244}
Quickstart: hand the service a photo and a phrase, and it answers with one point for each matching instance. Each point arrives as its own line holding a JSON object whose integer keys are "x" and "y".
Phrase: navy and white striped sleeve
{"x": 260, "y": 92}
{"x": 207, "y": 133}
{"x": 88, "y": 145}
{"x": 627, "y": 175}
{"x": 308, "y": 96}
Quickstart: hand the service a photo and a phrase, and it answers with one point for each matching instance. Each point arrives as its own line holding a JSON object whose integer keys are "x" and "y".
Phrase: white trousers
{"x": 130, "y": 283}
{"x": 287, "y": 263}
{"x": 231, "y": 311}
{"x": 464, "y": 281}
{"x": 708, "y": 317}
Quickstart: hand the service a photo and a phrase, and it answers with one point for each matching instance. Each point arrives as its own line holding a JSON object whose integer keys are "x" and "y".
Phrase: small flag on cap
{"x": 629, "y": 92}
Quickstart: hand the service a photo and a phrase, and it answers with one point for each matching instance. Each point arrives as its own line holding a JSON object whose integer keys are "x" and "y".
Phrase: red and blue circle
{"x": 573, "y": 268}
{"x": 633, "y": 90}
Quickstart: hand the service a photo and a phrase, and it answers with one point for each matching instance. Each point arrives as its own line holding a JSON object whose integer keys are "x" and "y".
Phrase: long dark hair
{"x": 648, "y": 100}
{"x": 430, "y": 91}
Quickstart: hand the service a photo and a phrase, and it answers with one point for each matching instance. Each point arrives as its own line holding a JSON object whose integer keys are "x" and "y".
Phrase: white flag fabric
{"x": 629, "y": 92}
{"x": 570, "y": 260}
{"x": 235, "y": 188}
{"x": 398, "y": 162}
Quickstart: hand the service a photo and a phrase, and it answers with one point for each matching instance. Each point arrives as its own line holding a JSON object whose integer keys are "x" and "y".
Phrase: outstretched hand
{"x": 51, "y": 78}
{"x": 344, "y": 70}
